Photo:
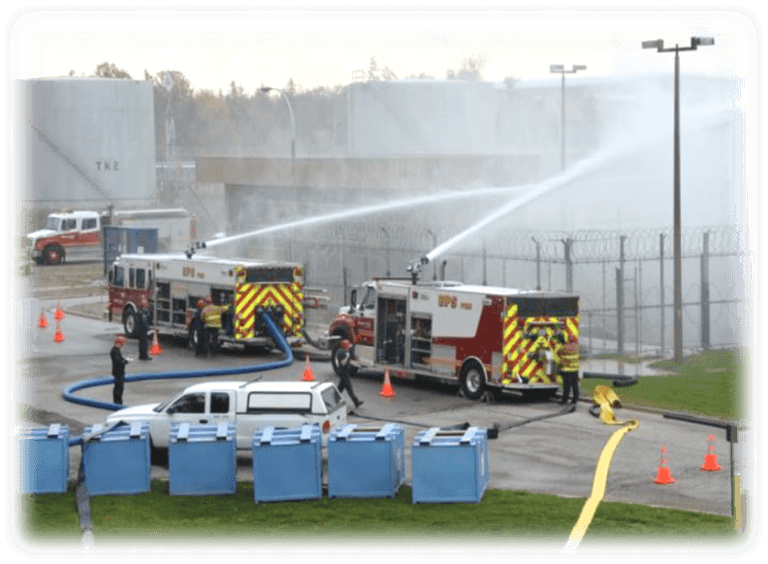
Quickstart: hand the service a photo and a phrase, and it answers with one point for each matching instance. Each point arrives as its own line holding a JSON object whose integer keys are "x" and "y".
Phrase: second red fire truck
{"x": 483, "y": 338}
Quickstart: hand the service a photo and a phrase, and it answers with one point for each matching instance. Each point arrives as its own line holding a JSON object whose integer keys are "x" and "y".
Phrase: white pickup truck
{"x": 250, "y": 405}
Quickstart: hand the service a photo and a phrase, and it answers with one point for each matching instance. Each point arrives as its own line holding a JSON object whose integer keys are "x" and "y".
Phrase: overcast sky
{"x": 323, "y": 47}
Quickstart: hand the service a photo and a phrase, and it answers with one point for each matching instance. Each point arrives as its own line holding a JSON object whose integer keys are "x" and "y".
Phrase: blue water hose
{"x": 69, "y": 396}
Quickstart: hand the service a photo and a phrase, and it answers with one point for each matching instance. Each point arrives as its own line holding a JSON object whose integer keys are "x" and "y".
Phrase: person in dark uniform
{"x": 568, "y": 359}
{"x": 142, "y": 327}
{"x": 347, "y": 370}
{"x": 118, "y": 369}
{"x": 196, "y": 329}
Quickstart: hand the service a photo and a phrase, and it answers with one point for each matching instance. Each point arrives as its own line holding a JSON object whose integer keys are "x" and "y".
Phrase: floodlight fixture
{"x": 556, "y": 68}
{"x": 655, "y": 44}
{"x": 696, "y": 41}
{"x": 560, "y": 69}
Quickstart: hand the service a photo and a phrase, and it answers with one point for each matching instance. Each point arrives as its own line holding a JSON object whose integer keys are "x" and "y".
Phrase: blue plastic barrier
{"x": 449, "y": 466}
{"x": 202, "y": 459}
{"x": 44, "y": 458}
{"x": 366, "y": 461}
{"x": 287, "y": 464}
{"x": 116, "y": 460}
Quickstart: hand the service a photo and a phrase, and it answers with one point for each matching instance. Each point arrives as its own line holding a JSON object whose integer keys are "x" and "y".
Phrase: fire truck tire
{"x": 130, "y": 321}
{"x": 472, "y": 379}
{"x": 53, "y": 254}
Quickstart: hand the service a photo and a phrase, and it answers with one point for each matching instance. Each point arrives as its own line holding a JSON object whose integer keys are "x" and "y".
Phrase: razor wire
{"x": 586, "y": 245}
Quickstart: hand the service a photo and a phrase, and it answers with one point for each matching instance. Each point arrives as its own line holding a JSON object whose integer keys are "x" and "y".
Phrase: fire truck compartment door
{"x": 443, "y": 359}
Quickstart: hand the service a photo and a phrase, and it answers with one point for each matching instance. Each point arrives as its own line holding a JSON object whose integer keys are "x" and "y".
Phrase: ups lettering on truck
{"x": 446, "y": 300}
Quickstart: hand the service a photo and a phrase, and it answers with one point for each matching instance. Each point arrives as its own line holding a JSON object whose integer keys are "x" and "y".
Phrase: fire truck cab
{"x": 173, "y": 284}
{"x": 480, "y": 337}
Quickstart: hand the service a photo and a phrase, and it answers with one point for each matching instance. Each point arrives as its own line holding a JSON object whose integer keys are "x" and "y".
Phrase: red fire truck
{"x": 483, "y": 338}
{"x": 173, "y": 283}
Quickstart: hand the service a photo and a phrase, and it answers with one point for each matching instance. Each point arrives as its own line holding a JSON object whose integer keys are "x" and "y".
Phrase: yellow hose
{"x": 598, "y": 485}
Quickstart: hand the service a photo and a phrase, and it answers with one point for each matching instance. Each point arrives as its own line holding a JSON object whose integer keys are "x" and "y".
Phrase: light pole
{"x": 658, "y": 44}
{"x": 560, "y": 69}
{"x": 290, "y": 111}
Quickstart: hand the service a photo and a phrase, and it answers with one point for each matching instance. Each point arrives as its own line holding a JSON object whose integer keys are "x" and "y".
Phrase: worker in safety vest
{"x": 212, "y": 322}
{"x": 568, "y": 361}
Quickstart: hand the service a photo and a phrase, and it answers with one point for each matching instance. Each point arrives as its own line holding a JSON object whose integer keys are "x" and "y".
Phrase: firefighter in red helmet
{"x": 345, "y": 354}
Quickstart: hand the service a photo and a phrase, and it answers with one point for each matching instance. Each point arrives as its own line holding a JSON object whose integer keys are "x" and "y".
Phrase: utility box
{"x": 449, "y": 466}
{"x": 202, "y": 459}
{"x": 44, "y": 458}
{"x": 287, "y": 464}
{"x": 116, "y": 459}
{"x": 366, "y": 461}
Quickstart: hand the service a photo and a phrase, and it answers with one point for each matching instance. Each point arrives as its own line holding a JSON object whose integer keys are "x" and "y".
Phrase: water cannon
{"x": 191, "y": 250}
{"x": 415, "y": 268}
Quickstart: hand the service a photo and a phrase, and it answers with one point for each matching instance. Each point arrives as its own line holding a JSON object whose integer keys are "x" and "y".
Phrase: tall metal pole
{"x": 678, "y": 272}
{"x": 561, "y": 70}
{"x": 661, "y": 292}
{"x": 658, "y": 44}
{"x": 562, "y": 127}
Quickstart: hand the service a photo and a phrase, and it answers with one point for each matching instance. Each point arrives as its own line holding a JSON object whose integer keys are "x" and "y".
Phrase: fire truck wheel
{"x": 472, "y": 379}
{"x": 54, "y": 254}
{"x": 130, "y": 321}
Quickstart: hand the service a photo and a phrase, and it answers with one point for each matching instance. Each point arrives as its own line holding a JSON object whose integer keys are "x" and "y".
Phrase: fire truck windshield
{"x": 272, "y": 275}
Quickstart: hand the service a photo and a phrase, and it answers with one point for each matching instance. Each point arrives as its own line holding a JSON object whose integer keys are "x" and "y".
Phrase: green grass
{"x": 707, "y": 384}
{"x": 513, "y": 514}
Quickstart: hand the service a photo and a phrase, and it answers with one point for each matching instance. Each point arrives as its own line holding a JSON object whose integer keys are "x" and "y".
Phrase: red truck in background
{"x": 79, "y": 234}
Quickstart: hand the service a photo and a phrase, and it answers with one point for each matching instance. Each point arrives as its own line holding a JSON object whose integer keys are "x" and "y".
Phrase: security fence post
{"x": 620, "y": 310}
{"x": 661, "y": 291}
{"x": 705, "y": 293}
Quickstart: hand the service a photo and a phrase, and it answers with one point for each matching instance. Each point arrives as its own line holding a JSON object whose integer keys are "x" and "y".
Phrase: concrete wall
{"x": 86, "y": 143}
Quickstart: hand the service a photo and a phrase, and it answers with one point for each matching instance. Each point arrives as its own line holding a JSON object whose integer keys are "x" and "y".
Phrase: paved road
{"x": 556, "y": 455}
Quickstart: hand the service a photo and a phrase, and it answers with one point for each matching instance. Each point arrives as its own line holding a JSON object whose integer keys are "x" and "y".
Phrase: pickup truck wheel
{"x": 472, "y": 379}
{"x": 130, "y": 321}
{"x": 53, "y": 254}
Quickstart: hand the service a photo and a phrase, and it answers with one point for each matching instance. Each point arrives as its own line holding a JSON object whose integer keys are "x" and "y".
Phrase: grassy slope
{"x": 706, "y": 384}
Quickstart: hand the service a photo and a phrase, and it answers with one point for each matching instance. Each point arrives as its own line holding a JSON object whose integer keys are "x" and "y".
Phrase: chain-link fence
{"x": 624, "y": 279}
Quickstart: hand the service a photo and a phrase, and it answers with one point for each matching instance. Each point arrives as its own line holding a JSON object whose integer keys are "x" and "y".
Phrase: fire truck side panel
{"x": 480, "y": 336}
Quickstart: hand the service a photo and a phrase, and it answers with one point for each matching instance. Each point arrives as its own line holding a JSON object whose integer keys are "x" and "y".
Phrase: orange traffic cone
{"x": 386, "y": 389}
{"x": 42, "y": 322}
{"x": 710, "y": 459}
{"x": 309, "y": 375}
{"x": 155, "y": 348}
{"x": 58, "y": 336}
{"x": 59, "y": 315}
{"x": 664, "y": 476}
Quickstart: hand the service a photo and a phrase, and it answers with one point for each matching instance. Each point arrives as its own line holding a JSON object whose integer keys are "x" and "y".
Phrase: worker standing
{"x": 345, "y": 363}
{"x": 118, "y": 369}
{"x": 196, "y": 329}
{"x": 212, "y": 322}
{"x": 568, "y": 357}
{"x": 142, "y": 326}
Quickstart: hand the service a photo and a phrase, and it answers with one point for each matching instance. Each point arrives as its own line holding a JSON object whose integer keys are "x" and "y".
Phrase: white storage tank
{"x": 421, "y": 116}
{"x": 86, "y": 142}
